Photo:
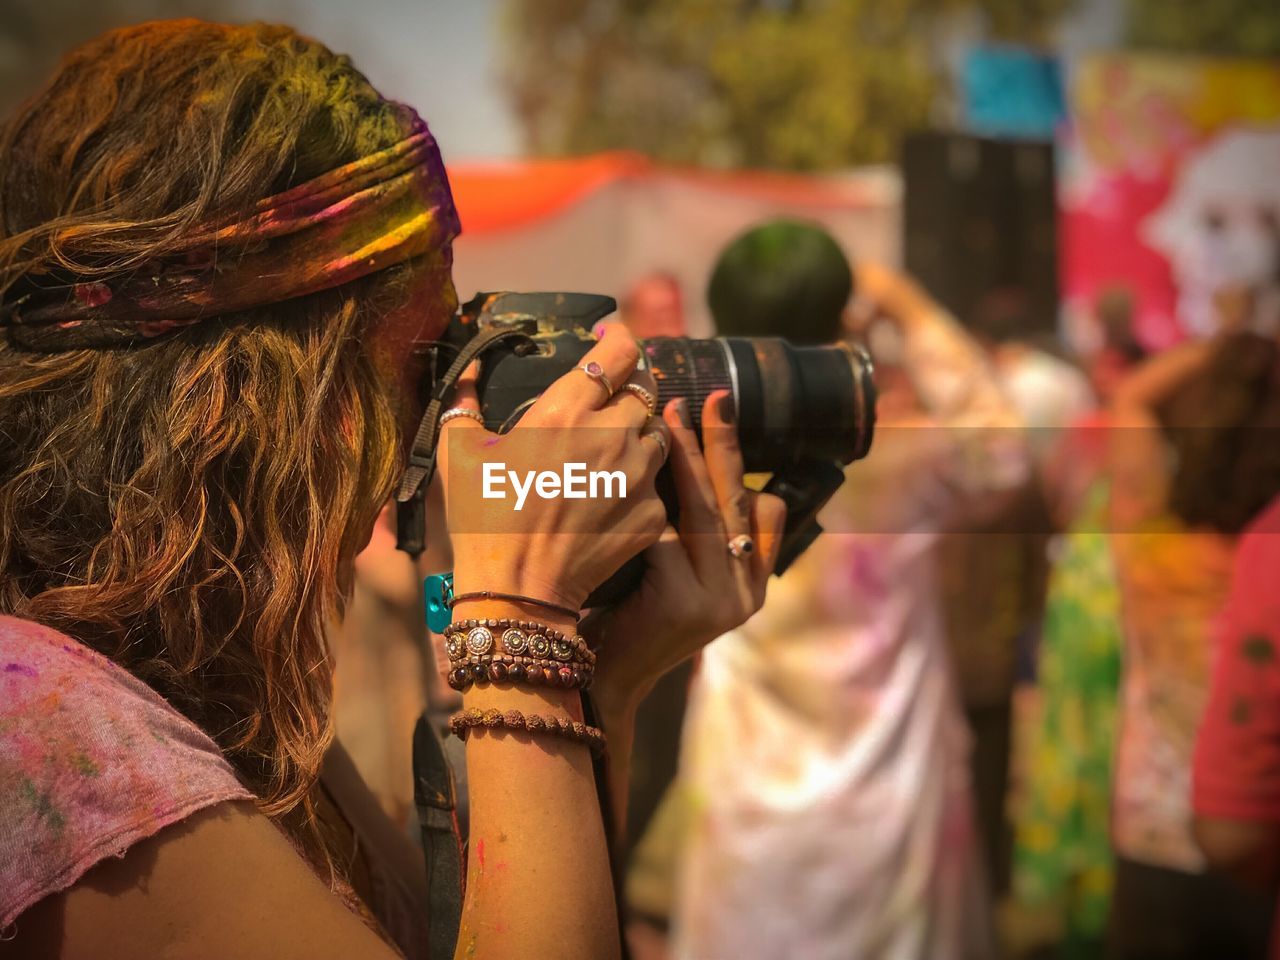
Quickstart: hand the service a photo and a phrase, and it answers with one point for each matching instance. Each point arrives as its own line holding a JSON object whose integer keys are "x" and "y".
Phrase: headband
{"x": 373, "y": 213}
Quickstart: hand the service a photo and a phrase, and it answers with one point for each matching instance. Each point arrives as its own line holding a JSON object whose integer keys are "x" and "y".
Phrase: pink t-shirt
{"x": 92, "y": 760}
{"x": 1237, "y": 761}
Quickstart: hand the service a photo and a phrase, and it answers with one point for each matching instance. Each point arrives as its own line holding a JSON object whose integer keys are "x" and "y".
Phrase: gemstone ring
{"x": 596, "y": 372}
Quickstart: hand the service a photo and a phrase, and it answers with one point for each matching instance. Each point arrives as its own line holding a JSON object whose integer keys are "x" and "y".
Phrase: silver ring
{"x": 596, "y": 372}
{"x": 649, "y": 399}
{"x": 742, "y": 546}
{"x": 453, "y": 413}
{"x": 658, "y": 437}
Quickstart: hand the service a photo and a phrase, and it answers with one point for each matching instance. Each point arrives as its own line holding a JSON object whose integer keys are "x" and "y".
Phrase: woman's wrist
{"x": 518, "y": 697}
{"x": 617, "y": 693}
{"x": 514, "y": 580}
{"x": 529, "y": 700}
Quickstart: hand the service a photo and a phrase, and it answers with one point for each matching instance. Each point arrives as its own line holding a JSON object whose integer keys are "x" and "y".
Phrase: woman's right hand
{"x": 556, "y": 549}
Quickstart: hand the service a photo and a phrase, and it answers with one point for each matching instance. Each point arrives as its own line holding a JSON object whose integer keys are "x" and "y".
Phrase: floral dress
{"x": 1063, "y": 848}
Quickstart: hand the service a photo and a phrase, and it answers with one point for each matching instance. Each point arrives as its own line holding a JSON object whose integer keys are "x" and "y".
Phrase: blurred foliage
{"x": 34, "y": 34}
{"x": 800, "y": 84}
{"x": 1249, "y": 28}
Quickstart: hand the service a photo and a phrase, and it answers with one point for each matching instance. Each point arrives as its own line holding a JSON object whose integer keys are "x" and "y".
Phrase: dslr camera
{"x": 803, "y": 413}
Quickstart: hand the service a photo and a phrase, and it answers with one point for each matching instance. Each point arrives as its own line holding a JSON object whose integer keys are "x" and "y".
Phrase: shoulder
{"x": 1253, "y": 608}
{"x": 1260, "y": 545}
{"x": 91, "y": 761}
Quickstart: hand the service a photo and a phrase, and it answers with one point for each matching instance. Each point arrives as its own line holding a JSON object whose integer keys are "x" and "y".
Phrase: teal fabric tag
{"x": 437, "y": 592}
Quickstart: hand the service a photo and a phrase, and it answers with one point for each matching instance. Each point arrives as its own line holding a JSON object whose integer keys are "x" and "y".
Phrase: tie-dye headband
{"x": 360, "y": 218}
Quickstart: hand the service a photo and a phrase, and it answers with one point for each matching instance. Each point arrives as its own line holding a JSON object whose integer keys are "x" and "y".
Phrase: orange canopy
{"x": 499, "y": 195}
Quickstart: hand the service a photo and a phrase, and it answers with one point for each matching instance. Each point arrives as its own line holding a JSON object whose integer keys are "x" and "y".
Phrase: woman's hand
{"x": 694, "y": 588}
{"x": 556, "y": 548}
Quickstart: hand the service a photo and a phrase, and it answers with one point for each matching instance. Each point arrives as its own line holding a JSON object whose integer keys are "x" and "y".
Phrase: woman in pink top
{"x": 1192, "y": 459}
{"x": 1237, "y": 760}
{"x": 220, "y": 249}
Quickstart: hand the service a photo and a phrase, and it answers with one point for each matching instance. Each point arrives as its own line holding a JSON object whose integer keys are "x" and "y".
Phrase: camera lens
{"x": 794, "y": 403}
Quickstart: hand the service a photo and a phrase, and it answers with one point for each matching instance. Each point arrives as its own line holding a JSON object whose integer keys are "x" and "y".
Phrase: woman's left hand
{"x": 694, "y": 588}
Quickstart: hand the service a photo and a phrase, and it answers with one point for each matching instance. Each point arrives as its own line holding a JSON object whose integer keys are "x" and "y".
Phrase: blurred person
{"x": 1047, "y": 391}
{"x": 1117, "y": 349}
{"x": 654, "y": 307}
{"x": 1078, "y": 457}
{"x": 825, "y": 757}
{"x": 1191, "y": 463}
{"x": 1063, "y": 861}
{"x": 195, "y": 450}
{"x": 993, "y": 573}
{"x": 1237, "y": 760}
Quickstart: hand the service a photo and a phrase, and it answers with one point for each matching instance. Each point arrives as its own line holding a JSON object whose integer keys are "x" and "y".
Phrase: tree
{"x": 34, "y": 34}
{"x": 1248, "y": 28}
{"x": 800, "y": 84}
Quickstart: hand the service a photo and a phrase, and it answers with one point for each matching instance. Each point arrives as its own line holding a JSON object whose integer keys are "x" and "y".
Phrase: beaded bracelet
{"x": 528, "y": 670}
{"x": 476, "y": 637}
{"x": 462, "y": 723}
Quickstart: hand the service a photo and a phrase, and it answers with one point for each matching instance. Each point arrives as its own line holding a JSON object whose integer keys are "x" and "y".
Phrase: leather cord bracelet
{"x": 461, "y": 724}
{"x": 515, "y": 598}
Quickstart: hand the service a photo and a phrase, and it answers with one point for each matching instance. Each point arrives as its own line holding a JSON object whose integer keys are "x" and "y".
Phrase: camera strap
{"x": 436, "y": 800}
{"x": 410, "y": 513}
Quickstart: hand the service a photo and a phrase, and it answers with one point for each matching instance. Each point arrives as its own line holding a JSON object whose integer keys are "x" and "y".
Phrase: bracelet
{"x": 476, "y": 637}
{"x": 516, "y": 598}
{"x": 527, "y": 670}
{"x": 461, "y": 724}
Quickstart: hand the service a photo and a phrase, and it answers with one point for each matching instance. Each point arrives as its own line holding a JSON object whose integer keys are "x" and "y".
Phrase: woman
{"x": 1191, "y": 461}
{"x": 1062, "y": 853}
{"x": 220, "y": 247}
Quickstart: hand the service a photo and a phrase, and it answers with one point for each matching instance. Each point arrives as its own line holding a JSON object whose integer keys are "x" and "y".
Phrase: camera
{"x": 802, "y": 412}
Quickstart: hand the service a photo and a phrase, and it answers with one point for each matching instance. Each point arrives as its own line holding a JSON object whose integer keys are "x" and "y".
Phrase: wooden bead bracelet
{"x": 479, "y": 637}
{"x": 520, "y": 670}
{"x": 461, "y": 724}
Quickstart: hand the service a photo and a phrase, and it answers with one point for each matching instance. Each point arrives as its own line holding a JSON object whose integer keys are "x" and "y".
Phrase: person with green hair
{"x": 825, "y": 755}
{"x": 784, "y": 278}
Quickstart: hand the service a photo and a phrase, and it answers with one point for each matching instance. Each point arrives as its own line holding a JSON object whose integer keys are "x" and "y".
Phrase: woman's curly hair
{"x": 191, "y": 508}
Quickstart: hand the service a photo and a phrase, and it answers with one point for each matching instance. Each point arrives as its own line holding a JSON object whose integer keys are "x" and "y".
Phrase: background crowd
{"x": 966, "y": 722}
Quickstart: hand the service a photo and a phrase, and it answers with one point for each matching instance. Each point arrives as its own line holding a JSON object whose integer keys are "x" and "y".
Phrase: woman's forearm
{"x": 1158, "y": 378}
{"x": 538, "y": 878}
{"x": 618, "y": 718}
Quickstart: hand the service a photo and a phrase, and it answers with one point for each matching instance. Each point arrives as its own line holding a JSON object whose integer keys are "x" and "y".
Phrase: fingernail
{"x": 599, "y": 329}
{"x": 727, "y": 409}
{"x": 682, "y": 411}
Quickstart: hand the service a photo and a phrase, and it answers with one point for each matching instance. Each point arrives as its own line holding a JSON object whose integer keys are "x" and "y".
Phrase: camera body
{"x": 803, "y": 413}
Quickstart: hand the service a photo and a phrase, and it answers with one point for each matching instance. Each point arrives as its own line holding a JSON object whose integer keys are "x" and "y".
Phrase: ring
{"x": 453, "y": 413}
{"x": 596, "y": 373}
{"x": 658, "y": 437}
{"x": 649, "y": 399}
{"x": 742, "y": 546}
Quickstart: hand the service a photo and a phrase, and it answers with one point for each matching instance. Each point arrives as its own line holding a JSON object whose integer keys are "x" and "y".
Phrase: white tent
{"x": 597, "y": 224}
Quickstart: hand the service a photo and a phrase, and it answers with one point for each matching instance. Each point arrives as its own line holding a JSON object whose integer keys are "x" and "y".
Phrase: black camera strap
{"x": 436, "y": 800}
{"x": 410, "y": 514}
{"x": 422, "y": 457}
